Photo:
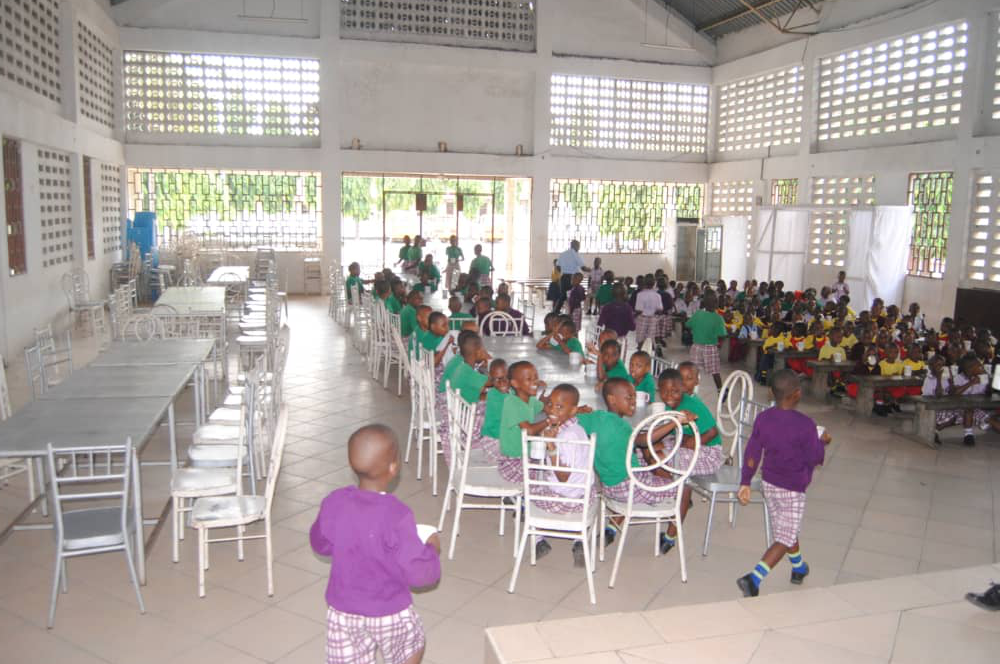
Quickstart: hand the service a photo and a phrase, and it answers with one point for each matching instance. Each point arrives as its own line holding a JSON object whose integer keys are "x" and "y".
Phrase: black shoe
{"x": 578, "y": 559}
{"x": 542, "y": 549}
{"x": 895, "y": 408}
{"x": 989, "y": 600}
{"x": 666, "y": 544}
{"x": 746, "y": 584}
{"x": 609, "y": 535}
{"x": 799, "y": 577}
{"x": 937, "y": 440}
{"x": 725, "y": 395}
{"x": 969, "y": 440}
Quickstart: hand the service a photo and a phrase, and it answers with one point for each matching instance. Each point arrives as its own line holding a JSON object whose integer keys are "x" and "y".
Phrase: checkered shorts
{"x": 619, "y": 492}
{"x": 710, "y": 459}
{"x": 577, "y": 316}
{"x": 980, "y": 418}
{"x": 353, "y": 639}
{"x": 706, "y": 357}
{"x": 664, "y": 325}
{"x": 785, "y": 509}
{"x": 645, "y": 327}
{"x": 511, "y": 469}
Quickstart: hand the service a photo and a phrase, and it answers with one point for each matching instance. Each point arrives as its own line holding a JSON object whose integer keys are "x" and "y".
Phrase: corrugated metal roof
{"x": 720, "y": 17}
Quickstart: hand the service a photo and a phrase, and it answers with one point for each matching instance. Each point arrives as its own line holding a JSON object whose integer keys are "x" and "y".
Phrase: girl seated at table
{"x": 970, "y": 379}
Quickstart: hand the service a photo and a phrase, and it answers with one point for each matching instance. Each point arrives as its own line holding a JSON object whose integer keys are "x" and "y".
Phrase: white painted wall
{"x": 34, "y": 298}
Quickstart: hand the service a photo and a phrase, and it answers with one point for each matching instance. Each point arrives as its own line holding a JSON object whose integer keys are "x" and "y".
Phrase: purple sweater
{"x": 376, "y": 556}
{"x": 617, "y": 316}
{"x": 791, "y": 448}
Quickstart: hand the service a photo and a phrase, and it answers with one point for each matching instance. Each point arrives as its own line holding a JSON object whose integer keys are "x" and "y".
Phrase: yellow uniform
{"x": 770, "y": 342}
{"x": 887, "y": 368}
{"x": 849, "y": 342}
{"x": 827, "y": 351}
{"x": 915, "y": 366}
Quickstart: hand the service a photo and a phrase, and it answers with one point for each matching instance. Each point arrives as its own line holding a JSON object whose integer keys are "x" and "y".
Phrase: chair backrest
{"x": 76, "y": 287}
{"x": 461, "y": 429}
{"x": 658, "y": 365}
{"x": 738, "y": 386}
{"x": 664, "y": 460}
{"x": 5, "y": 409}
{"x": 575, "y": 457}
{"x": 746, "y": 415}
{"x": 277, "y": 452}
{"x": 144, "y": 327}
{"x": 501, "y": 324}
{"x": 96, "y": 474}
{"x": 35, "y": 368}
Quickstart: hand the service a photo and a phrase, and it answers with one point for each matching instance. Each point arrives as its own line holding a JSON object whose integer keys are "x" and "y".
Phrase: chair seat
{"x": 216, "y": 433}
{"x": 219, "y": 510}
{"x": 221, "y": 456}
{"x": 486, "y": 482}
{"x": 225, "y": 416}
{"x": 87, "y": 305}
{"x": 568, "y": 522}
{"x": 93, "y": 528}
{"x": 246, "y": 340}
{"x": 726, "y": 478}
{"x": 661, "y": 510}
{"x": 194, "y": 480}
{"x": 234, "y": 400}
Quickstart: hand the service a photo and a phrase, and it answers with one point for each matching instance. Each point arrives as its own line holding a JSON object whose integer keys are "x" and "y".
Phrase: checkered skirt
{"x": 646, "y": 327}
{"x": 354, "y": 639}
{"x": 710, "y": 459}
{"x": 706, "y": 357}
{"x": 619, "y": 492}
{"x": 510, "y": 468}
{"x": 785, "y": 509}
{"x": 980, "y": 418}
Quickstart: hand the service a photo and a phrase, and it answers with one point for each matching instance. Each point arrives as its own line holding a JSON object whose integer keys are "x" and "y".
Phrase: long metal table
{"x": 229, "y": 275}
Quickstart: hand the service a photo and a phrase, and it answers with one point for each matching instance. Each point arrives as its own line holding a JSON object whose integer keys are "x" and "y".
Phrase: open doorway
{"x": 379, "y": 209}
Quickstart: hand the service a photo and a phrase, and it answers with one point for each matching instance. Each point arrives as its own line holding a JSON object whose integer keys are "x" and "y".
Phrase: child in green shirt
{"x": 394, "y": 303}
{"x": 408, "y": 314}
{"x": 638, "y": 369}
{"x": 455, "y": 256}
{"x": 457, "y": 315}
{"x": 609, "y": 363}
{"x": 520, "y": 409}
{"x": 566, "y": 338}
{"x": 673, "y": 383}
{"x": 605, "y": 293}
{"x": 354, "y": 281}
{"x": 429, "y": 270}
{"x": 481, "y": 264}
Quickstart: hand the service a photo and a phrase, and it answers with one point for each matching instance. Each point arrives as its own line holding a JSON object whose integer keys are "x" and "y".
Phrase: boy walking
{"x": 791, "y": 447}
{"x": 707, "y": 328}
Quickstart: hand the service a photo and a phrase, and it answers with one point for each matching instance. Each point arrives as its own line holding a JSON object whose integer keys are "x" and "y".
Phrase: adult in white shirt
{"x": 840, "y": 289}
{"x": 569, "y": 263}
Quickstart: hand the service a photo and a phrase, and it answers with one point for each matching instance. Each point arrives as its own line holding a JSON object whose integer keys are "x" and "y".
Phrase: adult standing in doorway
{"x": 570, "y": 263}
{"x": 840, "y": 289}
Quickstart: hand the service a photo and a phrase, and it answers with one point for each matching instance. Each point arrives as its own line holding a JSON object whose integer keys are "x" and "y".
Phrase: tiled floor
{"x": 882, "y": 507}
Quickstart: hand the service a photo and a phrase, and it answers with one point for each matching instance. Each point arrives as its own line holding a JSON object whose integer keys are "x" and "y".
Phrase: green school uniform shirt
{"x": 514, "y": 412}
{"x": 413, "y": 254}
{"x": 613, "y": 433}
{"x": 481, "y": 264}
{"x": 575, "y": 346}
{"x": 494, "y": 408}
{"x": 350, "y": 283}
{"x": 465, "y": 379}
{"x": 618, "y": 371}
{"x": 647, "y": 385}
{"x": 454, "y": 253}
{"x": 404, "y": 252}
{"x": 456, "y": 320}
{"x": 407, "y": 321}
{"x": 420, "y": 288}
{"x": 393, "y": 305}
{"x": 706, "y": 327}
{"x": 705, "y": 420}
{"x": 604, "y": 294}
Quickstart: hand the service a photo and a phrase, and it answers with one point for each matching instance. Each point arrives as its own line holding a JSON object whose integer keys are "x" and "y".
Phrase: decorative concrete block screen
{"x": 761, "y": 111}
{"x": 232, "y": 209}
{"x": 595, "y": 113}
{"x": 111, "y": 208}
{"x": 731, "y": 198}
{"x": 221, "y": 95}
{"x": 785, "y": 191}
{"x": 993, "y": 95}
{"x": 29, "y": 45}
{"x": 502, "y": 24}
{"x": 828, "y": 228}
{"x": 908, "y": 86}
{"x": 56, "y": 215}
{"x": 983, "y": 262}
{"x": 618, "y": 217}
{"x": 96, "y": 70}
{"x": 930, "y": 198}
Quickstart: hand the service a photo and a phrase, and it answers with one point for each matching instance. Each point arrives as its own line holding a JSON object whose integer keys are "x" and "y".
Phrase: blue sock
{"x": 664, "y": 537}
{"x": 796, "y": 560}
{"x": 759, "y": 572}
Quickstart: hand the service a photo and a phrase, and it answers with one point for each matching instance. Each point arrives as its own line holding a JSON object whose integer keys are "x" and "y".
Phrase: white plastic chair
{"x": 579, "y": 525}
{"x": 53, "y": 357}
{"x": 395, "y": 353}
{"x": 669, "y": 509}
{"x": 76, "y": 288}
{"x": 240, "y": 512}
{"x": 466, "y": 480}
{"x": 12, "y": 467}
{"x": 722, "y": 485}
{"x": 423, "y": 427}
{"x": 658, "y": 365}
{"x": 93, "y": 474}
{"x": 501, "y": 324}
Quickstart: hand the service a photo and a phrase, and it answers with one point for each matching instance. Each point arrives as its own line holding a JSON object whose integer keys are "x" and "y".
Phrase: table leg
{"x": 866, "y": 399}
{"x": 198, "y": 413}
{"x": 925, "y": 424}
{"x": 752, "y": 353}
{"x": 819, "y": 382}
{"x": 779, "y": 361}
{"x": 140, "y": 536}
{"x": 172, "y": 428}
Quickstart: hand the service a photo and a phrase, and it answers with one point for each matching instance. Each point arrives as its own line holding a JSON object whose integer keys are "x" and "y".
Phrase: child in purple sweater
{"x": 376, "y": 557}
{"x": 792, "y": 447}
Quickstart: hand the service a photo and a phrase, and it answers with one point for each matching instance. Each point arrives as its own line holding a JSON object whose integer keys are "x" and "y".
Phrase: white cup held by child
{"x": 537, "y": 449}
{"x": 838, "y": 358}
{"x": 800, "y": 346}
{"x": 820, "y": 431}
{"x": 657, "y": 407}
{"x": 953, "y": 369}
{"x": 780, "y": 346}
{"x": 907, "y": 371}
{"x": 575, "y": 359}
{"x": 424, "y": 531}
{"x": 641, "y": 399}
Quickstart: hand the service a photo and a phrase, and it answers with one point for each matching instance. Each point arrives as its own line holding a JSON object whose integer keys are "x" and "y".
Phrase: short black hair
{"x": 611, "y": 342}
{"x": 466, "y": 338}
{"x": 497, "y": 362}
{"x": 436, "y": 316}
{"x": 567, "y": 324}
{"x": 642, "y": 355}
{"x": 612, "y": 384}
{"x": 670, "y": 375}
{"x": 784, "y": 382}
{"x": 687, "y": 364}
{"x": 568, "y": 389}
{"x": 517, "y": 366}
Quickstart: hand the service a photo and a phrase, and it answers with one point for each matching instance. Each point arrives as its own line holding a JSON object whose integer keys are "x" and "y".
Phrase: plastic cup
{"x": 780, "y": 346}
{"x": 657, "y": 407}
{"x": 800, "y": 346}
{"x": 575, "y": 359}
{"x": 424, "y": 531}
{"x": 838, "y": 358}
{"x": 537, "y": 449}
{"x": 641, "y": 399}
{"x": 908, "y": 371}
{"x": 820, "y": 431}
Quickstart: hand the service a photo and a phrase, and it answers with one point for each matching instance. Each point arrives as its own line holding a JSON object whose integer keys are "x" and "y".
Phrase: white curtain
{"x": 878, "y": 249}
{"x": 780, "y": 240}
{"x": 734, "y": 246}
